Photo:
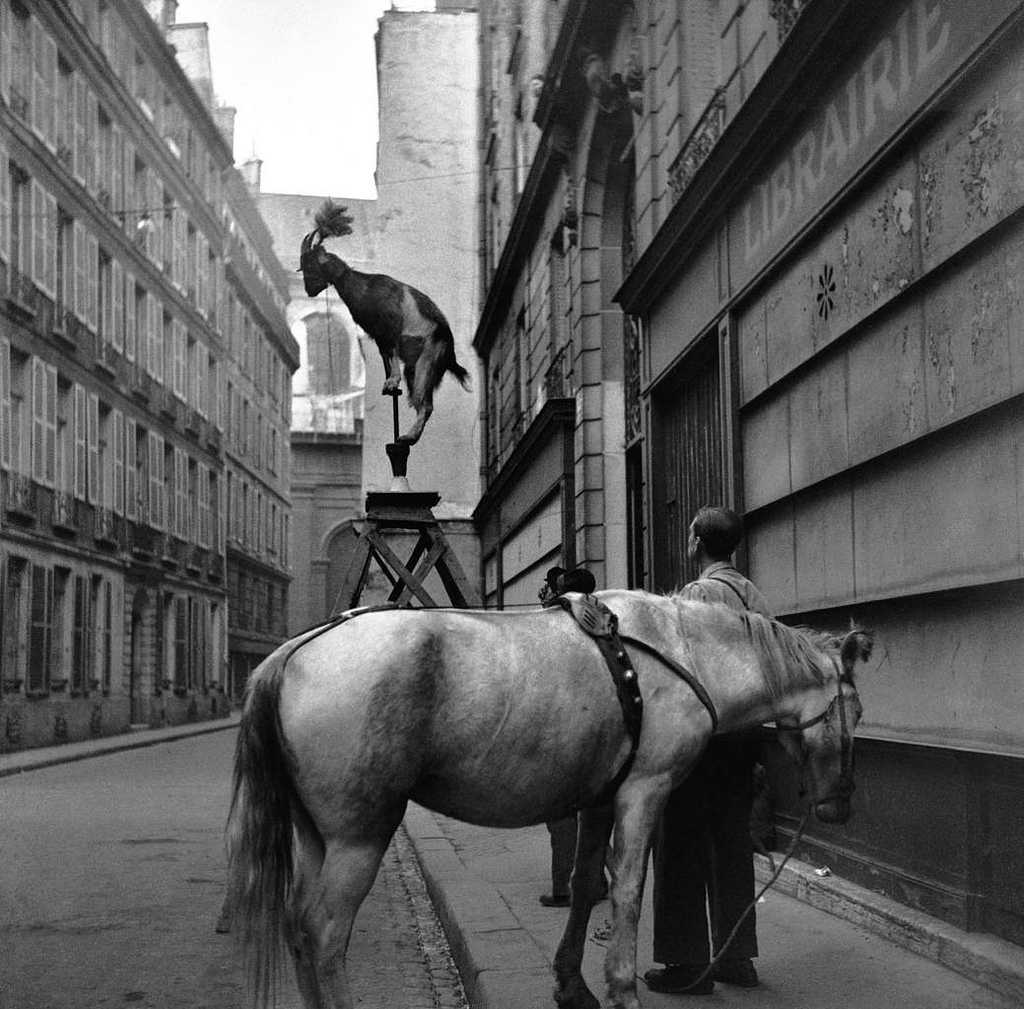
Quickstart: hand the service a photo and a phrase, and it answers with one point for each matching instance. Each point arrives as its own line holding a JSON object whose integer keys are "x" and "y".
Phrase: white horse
{"x": 503, "y": 719}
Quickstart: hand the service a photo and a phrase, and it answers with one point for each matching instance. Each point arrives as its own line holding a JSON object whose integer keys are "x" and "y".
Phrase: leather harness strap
{"x": 683, "y": 673}
{"x": 602, "y": 625}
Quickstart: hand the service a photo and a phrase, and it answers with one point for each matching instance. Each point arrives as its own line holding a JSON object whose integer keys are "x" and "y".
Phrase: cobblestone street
{"x": 112, "y": 871}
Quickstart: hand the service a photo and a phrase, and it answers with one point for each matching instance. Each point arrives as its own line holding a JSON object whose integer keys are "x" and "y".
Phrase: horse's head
{"x": 823, "y": 743}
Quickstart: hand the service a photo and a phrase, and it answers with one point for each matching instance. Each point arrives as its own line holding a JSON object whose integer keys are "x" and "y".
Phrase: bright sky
{"x": 303, "y": 78}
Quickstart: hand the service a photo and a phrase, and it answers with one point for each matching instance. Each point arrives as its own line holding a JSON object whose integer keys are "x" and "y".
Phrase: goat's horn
{"x": 313, "y": 238}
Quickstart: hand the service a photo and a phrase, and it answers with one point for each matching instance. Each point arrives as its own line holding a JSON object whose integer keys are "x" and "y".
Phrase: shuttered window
{"x": 81, "y": 442}
{"x": 93, "y": 432}
{"x": 119, "y": 462}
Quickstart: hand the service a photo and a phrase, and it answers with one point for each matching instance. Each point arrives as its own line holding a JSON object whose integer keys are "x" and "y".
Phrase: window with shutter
{"x": 6, "y": 416}
{"x": 92, "y": 281}
{"x": 180, "y": 340}
{"x": 40, "y": 638}
{"x": 117, "y": 315}
{"x": 156, "y": 480}
{"x": 181, "y": 637}
{"x": 93, "y": 433}
{"x": 119, "y": 460}
{"x": 131, "y": 470}
{"x": 204, "y": 505}
{"x": 81, "y": 441}
{"x": 37, "y": 232}
{"x": 82, "y": 153}
{"x": 181, "y": 493}
{"x": 81, "y": 650}
{"x": 81, "y": 296}
{"x": 5, "y": 203}
{"x": 5, "y": 52}
{"x": 50, "y": 426}
{"x": 156, "y": 326}
{"x": 38, "y": 436}
{"x": 130, "y": 309}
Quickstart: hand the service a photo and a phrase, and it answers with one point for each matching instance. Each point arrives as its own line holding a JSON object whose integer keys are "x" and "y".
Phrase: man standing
{"x": 703, "y": 854}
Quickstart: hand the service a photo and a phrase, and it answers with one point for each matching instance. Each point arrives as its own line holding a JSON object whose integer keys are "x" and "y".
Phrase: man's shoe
{"x": 555, "y": 899}
{"x": 739, "y": 972}
{"x": 678, "y": 979}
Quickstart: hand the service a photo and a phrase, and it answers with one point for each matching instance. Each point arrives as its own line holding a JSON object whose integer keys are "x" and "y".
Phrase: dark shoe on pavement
{"x": 678, "y": 979}
{"x": 738, "y": 972}
{"x": 554, "y": 899}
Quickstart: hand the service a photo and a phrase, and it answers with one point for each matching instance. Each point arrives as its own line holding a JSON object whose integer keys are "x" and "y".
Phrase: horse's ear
{"x": 856, "y": 645}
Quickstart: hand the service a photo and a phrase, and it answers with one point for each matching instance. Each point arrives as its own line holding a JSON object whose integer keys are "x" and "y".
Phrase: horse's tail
{"x": 260, "y": 839}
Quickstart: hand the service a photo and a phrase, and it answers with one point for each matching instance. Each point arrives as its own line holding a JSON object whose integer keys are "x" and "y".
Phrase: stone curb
{"x": 501, "y": 966}
{"x": 48, "y": 756}
{"x": 983, "y": 958}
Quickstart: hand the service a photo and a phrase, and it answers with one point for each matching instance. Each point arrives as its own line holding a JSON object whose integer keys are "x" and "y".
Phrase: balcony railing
{"x": 22, "y": 294}
{"x": 142, "y": 384}
{"x": 21, "y": 495}
{"x": 65, "y": 511}
{"x": 145, "y": 540}
{"x": 698, "y": 145}
{"x": 106, "y": 356}
{"x": 171, "y": 550}
{"x": 105, "y": 527}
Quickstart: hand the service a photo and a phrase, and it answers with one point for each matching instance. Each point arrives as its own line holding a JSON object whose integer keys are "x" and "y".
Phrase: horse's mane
{"x": 781, "y": 649}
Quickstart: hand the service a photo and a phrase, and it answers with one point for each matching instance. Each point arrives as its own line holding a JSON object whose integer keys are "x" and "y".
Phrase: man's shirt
{"x": 721, "y": 582}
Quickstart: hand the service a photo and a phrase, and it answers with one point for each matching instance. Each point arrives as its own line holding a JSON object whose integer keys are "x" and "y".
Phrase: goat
{"x": 409, "y": 330}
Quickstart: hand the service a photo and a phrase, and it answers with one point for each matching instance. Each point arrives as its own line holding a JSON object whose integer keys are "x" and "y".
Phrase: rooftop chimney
{"x": 251, "y": 173}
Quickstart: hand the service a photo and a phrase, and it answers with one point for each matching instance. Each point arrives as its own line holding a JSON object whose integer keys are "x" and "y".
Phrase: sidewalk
{"x": 46, "y": 756}
{"x": 836, "y": 947}
{"x": 824, "y": 942}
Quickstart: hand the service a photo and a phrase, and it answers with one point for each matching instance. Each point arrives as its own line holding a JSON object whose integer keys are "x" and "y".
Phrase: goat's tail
{"x": 261, "y": 860}
{"x": 459, "y": 372}
{"x": 451, "y": 365}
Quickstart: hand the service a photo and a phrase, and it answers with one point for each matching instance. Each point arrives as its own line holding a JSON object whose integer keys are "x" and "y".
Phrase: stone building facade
{"x": 140, "y": 305}
{"x": 767, "y": 254}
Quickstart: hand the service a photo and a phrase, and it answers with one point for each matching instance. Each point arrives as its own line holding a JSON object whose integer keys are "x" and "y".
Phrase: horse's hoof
{"x": 580, "y": 998}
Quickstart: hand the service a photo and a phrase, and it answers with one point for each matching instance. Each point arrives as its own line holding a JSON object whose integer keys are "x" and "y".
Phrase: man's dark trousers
{"x": 714, "y": 802}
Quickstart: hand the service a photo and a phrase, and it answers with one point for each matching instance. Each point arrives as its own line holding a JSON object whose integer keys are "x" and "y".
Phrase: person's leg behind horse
{"x": 732, "y": 885}
{"x": 681, "y": 869}
{"x": 563, "y": 853}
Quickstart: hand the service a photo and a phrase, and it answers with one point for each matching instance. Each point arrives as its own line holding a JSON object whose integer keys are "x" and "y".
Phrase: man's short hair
{"x": 719, "y": 529}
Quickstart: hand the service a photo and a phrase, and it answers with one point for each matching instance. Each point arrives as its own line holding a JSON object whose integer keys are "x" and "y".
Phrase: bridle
{"x": 844, "y": 786}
